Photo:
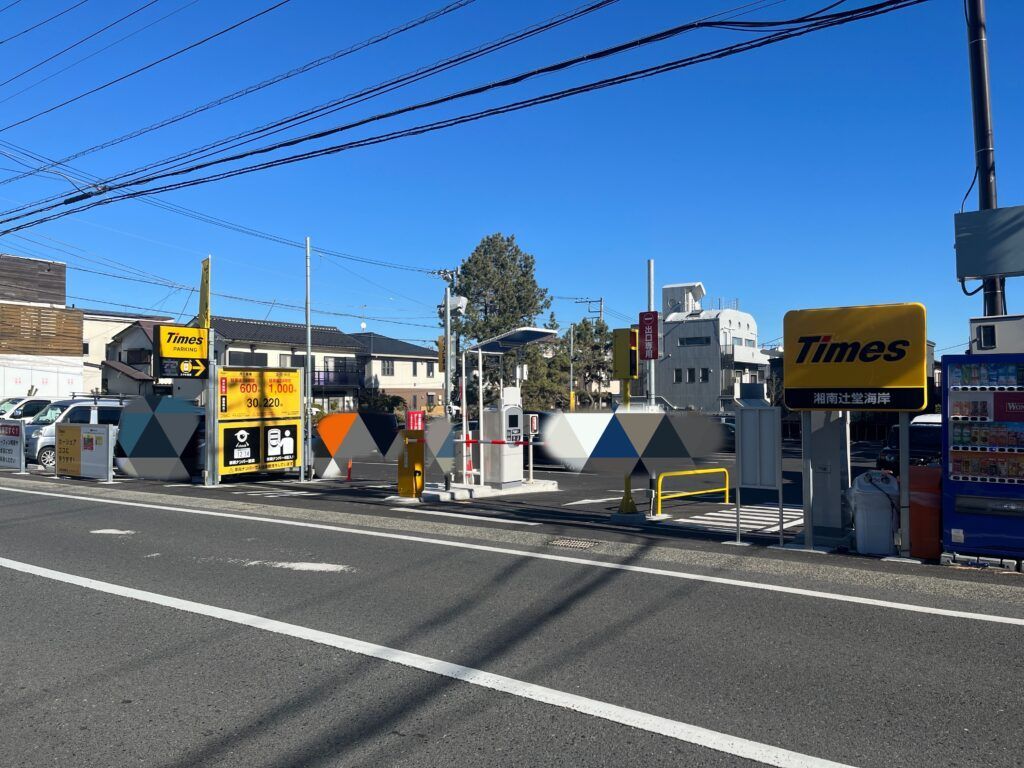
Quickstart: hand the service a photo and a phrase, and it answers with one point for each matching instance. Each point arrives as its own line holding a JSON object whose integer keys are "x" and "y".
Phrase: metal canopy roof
{"x": 511, "y": 340}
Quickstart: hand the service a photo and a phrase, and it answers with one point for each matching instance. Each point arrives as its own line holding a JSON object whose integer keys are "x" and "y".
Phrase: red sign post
{"x": 648, "y": 335}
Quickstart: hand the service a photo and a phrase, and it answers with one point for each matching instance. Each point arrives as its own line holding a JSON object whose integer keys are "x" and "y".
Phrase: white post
{"x": 904, "y": 484}
{"x": 480, "y": 408}
{"x": 307, "y": 380}
{"x": 447, "y": 349}
{"x": 778, "y": 470}
{"x": 465, "y": 428}
{"x": 211, "y": 475}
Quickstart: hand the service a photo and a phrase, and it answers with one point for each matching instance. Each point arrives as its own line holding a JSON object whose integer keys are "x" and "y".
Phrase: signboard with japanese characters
{"x": 181, "y": 351}
{"x": 12, "y": 444}
{"x": 648, "y": 335}
{"x": 259, "y": 393}
{"x": 871, "y": 358}
{"x": 415, "y": 420}
{"x": 258, "y": 446}
{"x": 85, "y": 450}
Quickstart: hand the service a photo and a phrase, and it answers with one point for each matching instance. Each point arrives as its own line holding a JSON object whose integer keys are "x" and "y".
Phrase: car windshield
{"x": 925, "y": 438}
{"x": 49, "y": 414}
{"x": 6, "y": 406}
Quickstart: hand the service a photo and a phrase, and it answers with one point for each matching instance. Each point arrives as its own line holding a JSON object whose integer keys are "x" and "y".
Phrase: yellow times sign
{"x": 259, "y": 393}
{"x": 871, "y": 358}
{"x": 258, "y": 446}
{"x": 180, "y": 342}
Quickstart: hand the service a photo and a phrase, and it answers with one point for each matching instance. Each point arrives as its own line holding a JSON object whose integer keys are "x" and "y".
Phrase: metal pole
{"x": 480, "y": 407}
{"x": 805, "y": 447}
{"x": 210, "y": 476}
{"x": 650, "y": 308}
{"x": 739, "y": 508}
{"x": 905, "y": 484}
{"x": 778, "y": 470}
{"x": 465, "y": 427}
{"x": 307, "y": 439}
{"x": 984, "y": 146}
{"x": 447, "y": 349}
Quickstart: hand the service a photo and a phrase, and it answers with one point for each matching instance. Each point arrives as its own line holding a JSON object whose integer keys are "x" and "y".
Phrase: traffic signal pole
{"x": 984, "y": 146}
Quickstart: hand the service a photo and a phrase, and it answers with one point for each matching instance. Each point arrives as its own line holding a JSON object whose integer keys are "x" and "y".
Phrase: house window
{"x": 694, "y": 341}
{"x": 85, "y": 347}
{"x": 415, "y": 368}
{"x": 431, "y": 398}
{"x": 705, "y": 375}
{"x": 137, "y": 356}
{"x": 387, "y": 367}
{"x": 430, "y": 370}
{"x": 677, "y": 375}
{"x": 415, "y": 402}
{"x": 691, "y": 375}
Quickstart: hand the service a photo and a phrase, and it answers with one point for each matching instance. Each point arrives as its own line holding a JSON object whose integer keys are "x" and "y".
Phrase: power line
{"x": 818, "y": 22}
{"x": 146, "y": 67}
{"x": 77, "y": 43}
{"x": 99, "y": 51}
{"x": 41, "y": 23}
{"x": 9, "y": 6}
{"x": 437, "y": 13}
{"x": 335, "y": 105}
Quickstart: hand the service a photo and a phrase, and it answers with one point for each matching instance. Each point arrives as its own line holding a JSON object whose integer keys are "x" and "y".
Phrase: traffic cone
{"x": 349, "y": 475}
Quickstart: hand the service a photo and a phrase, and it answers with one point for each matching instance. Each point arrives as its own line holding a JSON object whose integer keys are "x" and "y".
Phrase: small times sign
{"x": 181, "y": 351}
{"x": 648, "y": 335}
{"x": 871, "y": 358}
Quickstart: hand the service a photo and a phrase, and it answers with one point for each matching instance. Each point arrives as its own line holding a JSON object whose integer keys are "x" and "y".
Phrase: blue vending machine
{"x": 983, "y": 455}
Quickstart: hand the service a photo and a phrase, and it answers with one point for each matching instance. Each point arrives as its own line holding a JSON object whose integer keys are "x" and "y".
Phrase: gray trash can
{"x": 874, "y": 499}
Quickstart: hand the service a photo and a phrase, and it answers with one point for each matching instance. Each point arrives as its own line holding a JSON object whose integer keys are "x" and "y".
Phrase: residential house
{"x": 400, "y": 368}
{"x": 99, "y": 326}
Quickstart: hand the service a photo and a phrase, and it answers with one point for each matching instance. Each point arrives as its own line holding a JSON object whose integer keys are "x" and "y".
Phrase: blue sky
{"x": 822, "y": 171}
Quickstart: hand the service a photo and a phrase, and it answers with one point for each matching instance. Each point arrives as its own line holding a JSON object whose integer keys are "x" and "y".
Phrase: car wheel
{"x": 47, "y": 458}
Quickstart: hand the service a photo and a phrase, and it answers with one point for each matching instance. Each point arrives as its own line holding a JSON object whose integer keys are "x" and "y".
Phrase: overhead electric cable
{"x": 77, "y": 43}
{"x": 146, "y": 67}
{"x": 819, "y": 23}
{"x": 41, "y": 23}
{"x": 334, "y": 105}
{"x": 105, "y": 48}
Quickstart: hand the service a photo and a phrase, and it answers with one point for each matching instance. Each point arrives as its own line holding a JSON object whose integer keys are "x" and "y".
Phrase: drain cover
{"x": 572, "y": 543}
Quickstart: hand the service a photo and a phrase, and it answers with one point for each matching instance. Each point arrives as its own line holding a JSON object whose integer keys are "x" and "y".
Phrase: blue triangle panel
{"x": 614, "y": 443}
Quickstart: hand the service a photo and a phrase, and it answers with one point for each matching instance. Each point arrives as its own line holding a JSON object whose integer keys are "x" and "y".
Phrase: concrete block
{"x": 962, "y": 559}
{"x": 947, "y": 558}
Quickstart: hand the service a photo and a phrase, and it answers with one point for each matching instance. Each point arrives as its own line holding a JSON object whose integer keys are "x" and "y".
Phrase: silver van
{"x": 41, "y": 432}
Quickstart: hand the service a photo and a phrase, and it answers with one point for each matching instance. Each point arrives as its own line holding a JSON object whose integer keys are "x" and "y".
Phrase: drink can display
{"x": 956, "y": 375}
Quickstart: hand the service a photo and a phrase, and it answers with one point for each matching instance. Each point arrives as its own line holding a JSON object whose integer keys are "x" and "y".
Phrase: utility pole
{"x": 572, "y": 377}
{"x": 650, "y": 308}
{"x": 447, "y": 347}
{"x": 308, "y": 394}
{"x": 984, "y": 148}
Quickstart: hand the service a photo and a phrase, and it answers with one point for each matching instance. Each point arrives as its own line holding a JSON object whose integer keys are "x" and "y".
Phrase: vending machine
{"x": 983, "y": 454}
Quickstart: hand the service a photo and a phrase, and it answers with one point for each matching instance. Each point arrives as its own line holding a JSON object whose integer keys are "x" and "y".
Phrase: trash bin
{"x": 874, "y": 499}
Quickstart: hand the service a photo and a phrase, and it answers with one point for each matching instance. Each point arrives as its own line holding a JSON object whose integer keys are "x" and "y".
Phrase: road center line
{"x": 909, "y": 607}
{"x": 674, "y": 729}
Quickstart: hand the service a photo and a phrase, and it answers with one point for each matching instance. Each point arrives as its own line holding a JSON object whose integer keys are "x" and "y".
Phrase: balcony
{"x": 347, "y": 377}
{"x": 743, "y": 354}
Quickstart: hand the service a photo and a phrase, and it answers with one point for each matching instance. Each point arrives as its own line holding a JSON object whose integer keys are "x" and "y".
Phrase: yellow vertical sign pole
{"x": 204, "y": 295}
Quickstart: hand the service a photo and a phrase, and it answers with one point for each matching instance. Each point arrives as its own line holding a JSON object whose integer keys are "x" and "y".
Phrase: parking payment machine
{"x": 502, "y": 440}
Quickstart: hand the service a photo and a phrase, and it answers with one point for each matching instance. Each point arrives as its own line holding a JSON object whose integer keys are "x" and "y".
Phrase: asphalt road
{"x": 170, "y": 629}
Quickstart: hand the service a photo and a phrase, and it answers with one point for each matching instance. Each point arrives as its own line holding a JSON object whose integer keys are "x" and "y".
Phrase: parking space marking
{"x": 591, "y": 501}
{"x": 720, "y": 580}
{"x": 766, "y": 754}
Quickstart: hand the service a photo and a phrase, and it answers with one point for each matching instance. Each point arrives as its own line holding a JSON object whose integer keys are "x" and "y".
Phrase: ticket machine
{"x": 504, "y": 421}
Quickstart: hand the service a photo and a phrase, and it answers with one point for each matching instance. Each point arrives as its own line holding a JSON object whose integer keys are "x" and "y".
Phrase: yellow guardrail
{"x": 688, "y": 473}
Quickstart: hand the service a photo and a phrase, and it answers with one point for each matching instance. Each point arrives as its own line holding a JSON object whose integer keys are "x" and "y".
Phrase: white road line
{"x": 459, "y": 514}
{"x": 113, "y": 532}
{"x": 674, "y": 729}
{"x": 722, "y": 580}
{"x": 592, "y": 501}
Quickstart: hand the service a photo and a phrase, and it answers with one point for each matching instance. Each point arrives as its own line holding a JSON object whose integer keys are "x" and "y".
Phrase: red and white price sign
{"x": 648, "y": 336}
{"x": 415, "y": 419}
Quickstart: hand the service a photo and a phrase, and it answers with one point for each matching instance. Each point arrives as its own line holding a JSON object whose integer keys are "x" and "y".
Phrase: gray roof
{"x": 286, "y": 334}
{"x": 384, "y": 346}
{"x": 125, "y": 315}
{"x": 126, "y": 370}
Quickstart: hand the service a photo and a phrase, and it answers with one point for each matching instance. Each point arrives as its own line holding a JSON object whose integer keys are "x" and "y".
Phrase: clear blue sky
{"x": 818, "y": 172}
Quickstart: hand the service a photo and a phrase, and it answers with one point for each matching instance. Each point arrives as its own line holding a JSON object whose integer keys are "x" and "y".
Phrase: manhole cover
{"x": 572, "y": 543}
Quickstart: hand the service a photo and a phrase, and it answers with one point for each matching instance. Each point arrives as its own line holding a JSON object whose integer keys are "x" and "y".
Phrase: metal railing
{"x": 660, "y": 496}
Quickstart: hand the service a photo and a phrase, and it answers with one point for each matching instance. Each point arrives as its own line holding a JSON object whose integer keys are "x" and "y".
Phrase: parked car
{"x": 41, "y": 432}
{"x": 24, "y": 408}
{"x": 925, "y": 445}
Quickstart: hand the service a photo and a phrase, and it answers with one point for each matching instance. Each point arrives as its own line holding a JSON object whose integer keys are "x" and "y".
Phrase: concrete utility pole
{"x": 447, "y": 347}
{"x": 308, "y": 394}
{"x": 650, "y": 308}
{"x": 984, "y": 147}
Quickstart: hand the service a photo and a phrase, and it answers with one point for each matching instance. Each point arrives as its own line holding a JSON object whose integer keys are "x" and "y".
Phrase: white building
{"x": 99, "y": 327}
{"x": 705, "y": 352}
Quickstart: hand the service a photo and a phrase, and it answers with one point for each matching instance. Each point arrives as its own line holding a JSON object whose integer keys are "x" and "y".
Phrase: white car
{"x": 24, "y": 408}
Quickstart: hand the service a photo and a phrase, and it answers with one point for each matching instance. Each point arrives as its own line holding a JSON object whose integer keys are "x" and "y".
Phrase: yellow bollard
{"x": 410, "y": 465}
